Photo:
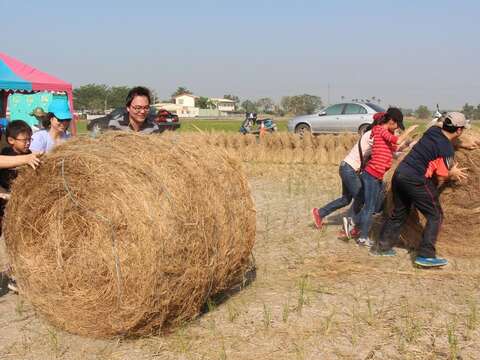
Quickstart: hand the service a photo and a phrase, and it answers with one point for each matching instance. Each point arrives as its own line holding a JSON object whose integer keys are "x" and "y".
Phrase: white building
{"x": 184, "y": 106}
{"x": 224, "y": 105}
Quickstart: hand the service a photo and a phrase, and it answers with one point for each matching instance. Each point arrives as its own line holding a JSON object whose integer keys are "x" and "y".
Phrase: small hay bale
{"x": 128, "y": 234}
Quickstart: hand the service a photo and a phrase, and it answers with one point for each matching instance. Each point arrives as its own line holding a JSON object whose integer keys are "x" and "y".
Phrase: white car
{"x": 344, "y": 117}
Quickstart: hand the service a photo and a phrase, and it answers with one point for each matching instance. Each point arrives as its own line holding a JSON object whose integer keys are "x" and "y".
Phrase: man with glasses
{"x": 415, "y": 183}
{"x": 136, "y": 117}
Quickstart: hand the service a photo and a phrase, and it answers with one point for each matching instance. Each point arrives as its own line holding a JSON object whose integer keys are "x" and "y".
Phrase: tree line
{"x": 100, "y": 97}
{"x": 471, "y": 112}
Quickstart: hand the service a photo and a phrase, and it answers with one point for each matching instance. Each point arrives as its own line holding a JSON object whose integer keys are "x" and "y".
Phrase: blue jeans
{"x": 372, "y": 189}
{"x": 351, "y": 186}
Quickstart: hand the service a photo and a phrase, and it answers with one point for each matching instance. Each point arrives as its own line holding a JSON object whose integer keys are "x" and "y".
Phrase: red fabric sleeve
{"x": 388, "y": 136}
{"x": 437, "y": 167}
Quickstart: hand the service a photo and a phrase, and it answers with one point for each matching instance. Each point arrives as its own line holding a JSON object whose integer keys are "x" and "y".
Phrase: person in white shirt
{"x": 56, "y": 124}
{"x": 349, "y": 171}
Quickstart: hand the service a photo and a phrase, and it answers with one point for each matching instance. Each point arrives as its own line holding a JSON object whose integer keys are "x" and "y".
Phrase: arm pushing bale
{"x": 128, "y": 234}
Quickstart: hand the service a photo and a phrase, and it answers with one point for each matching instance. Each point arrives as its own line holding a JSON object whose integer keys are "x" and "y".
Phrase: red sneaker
{"x": 355, "y": 233}
{"x": 317, "y": 218}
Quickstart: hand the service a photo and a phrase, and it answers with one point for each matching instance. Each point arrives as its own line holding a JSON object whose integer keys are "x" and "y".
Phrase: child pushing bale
{"x": 128, "y": 234}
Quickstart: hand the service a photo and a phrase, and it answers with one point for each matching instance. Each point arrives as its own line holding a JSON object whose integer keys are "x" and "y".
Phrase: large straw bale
{"x": 128, "y": 234}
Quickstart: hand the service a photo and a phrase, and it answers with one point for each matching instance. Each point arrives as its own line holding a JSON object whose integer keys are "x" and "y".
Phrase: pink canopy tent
{"x": 16, "y": 76}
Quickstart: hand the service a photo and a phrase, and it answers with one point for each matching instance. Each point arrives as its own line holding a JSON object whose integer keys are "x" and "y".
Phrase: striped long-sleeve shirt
{"x": 384, "y": 145}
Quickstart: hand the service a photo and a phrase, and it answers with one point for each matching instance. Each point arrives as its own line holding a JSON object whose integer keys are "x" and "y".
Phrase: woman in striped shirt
{"x": 384, "y": 145}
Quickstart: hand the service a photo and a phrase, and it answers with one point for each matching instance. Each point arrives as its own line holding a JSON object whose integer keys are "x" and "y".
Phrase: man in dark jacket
{"x": 415, "y": 183}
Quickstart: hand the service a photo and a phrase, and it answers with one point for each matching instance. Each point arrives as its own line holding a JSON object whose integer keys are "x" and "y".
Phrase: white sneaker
{"x": 365, "y": 242}
{"x": 348, "y": 226}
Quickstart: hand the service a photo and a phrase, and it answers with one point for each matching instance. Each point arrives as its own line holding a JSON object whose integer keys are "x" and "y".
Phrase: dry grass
{"x": 282, "y": 148}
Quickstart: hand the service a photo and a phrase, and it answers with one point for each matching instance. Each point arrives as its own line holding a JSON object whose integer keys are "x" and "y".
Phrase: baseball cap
{"x": 457, "y": 119}
{"x": 60, "y": 109}
{"x": 397, "y": 116}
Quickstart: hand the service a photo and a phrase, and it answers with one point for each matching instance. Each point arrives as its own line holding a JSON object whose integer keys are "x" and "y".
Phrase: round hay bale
{"x": 128, "y": 234}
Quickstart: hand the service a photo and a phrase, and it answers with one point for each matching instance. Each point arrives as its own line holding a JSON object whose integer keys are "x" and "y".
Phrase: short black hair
{"x": 17, "y": 127}
{"x": 46, "y": 120}
{"x": 394, "y": 114}
{"x": 137, "y": 91}
{"x": 449, "y": 127}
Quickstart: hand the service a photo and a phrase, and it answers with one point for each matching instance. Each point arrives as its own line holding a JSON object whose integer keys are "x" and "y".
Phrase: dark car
{"x": 163, "y": 118}
{"x": 167, "y": 120}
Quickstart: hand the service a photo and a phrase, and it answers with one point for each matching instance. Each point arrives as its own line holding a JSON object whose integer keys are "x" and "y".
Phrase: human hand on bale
{"x": 457, "y": 173}
{"x": 403, "y": 141}
{"x": 33, "y": 159}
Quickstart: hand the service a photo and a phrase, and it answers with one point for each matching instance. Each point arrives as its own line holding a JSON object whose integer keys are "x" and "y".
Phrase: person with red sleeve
{"x": 415, "y": 183}
{"x": 384, "y": 145}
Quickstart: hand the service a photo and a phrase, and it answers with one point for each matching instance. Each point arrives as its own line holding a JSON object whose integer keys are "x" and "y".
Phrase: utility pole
{"x": 328, "y": 93}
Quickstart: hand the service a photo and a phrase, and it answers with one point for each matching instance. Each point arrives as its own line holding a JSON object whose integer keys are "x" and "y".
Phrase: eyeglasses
{"x": 63, "y": 120}
{"x": 25, "y": 141}
{"x": 139, "y": 108}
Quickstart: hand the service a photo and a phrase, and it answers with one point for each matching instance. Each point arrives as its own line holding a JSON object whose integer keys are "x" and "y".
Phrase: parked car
{"x": 163, "y": 118}
{"x": 344, "y": 117}
{"x": 167, "y": 120}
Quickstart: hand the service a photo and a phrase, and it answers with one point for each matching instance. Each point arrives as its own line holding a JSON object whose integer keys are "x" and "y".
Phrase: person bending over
{"x": 415, "y": 182}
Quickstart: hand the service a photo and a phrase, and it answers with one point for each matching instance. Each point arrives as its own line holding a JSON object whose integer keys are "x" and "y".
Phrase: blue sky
{"x": 406, "y": 53}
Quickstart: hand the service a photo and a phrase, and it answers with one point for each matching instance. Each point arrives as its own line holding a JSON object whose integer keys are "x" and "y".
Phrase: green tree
{"x": 422, "y": 112}
{"x": 468, "y": 111}
{"x": 116, "y": 96}
{"x": 180, "y": 91}
{"x": 91, "y": 97}
{"x": 249, "y": 106}
{"x": 301, "y": 104}
{"x": 475, "y": 114}
{"x": 265, "y": 105}
{"x": 204, "y": 103}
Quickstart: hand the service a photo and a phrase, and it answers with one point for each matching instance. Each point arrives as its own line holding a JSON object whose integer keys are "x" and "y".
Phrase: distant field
{"x": 230, "y": 125}
{"x": 233, "y": 125}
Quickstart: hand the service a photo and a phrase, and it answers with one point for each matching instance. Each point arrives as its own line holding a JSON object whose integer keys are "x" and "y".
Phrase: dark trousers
{"x": 423, "y": 194}
{"x": 351, "y": 186}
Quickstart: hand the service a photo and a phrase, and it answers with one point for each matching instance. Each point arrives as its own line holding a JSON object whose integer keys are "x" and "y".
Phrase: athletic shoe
{"x": 349, "y": 228}
{"x": 378, "y": 252}
{"x": 430, "y": 262}
{"x": 346, "y": 227}
{"x": 12, "y": 286}
{"x": 317, "y": 218}
{"x": 365, "y": 242}
{"x": 355, "y": 232}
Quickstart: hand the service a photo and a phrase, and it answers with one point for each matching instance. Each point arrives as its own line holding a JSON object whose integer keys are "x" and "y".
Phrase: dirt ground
{"x": 314, "y": 297}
